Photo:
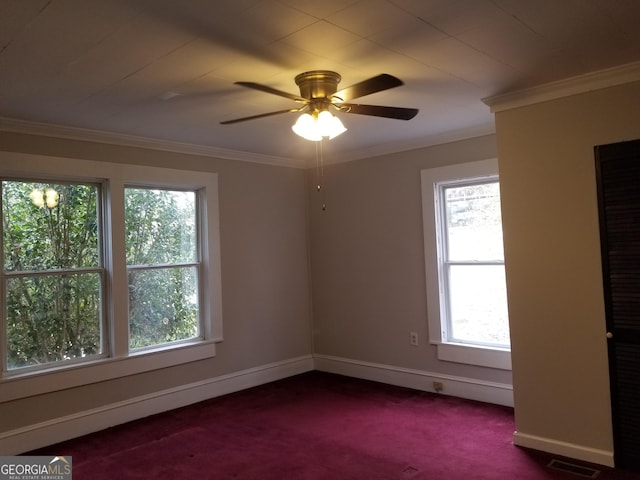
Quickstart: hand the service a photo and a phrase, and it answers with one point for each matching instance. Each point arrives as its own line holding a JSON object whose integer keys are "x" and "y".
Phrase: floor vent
{"x": 586, "y": 472}
{"x": 410, "y": 472}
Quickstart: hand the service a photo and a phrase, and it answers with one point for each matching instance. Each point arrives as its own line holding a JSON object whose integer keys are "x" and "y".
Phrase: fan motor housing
{"x": 319, "y": 84}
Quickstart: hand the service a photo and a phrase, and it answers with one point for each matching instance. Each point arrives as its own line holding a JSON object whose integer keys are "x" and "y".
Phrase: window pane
{"x": 160, "y": 226}
{"x": 474, "y": 223}
{"x": 52, "y": 318}
{"x": 478, "y": 304}
{"x": 49, "y": 226}
{"x": 163, "y": 306}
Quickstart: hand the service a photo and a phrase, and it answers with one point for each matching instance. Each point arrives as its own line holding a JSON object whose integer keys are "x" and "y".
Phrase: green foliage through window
{"x": 162, "y": 254}
{"x": 52, "y": 272}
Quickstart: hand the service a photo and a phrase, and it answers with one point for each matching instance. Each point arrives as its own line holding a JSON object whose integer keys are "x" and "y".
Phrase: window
{"x": 162, "y": 266}
{"x": 473, "y": 262}
{"x": 53, "y": 274}
{"x": 104, "y": 275}
{"x": 464, "y": 260}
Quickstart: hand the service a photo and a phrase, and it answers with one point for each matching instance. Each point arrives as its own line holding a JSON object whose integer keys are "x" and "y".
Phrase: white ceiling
{"x": 164, "y": 69}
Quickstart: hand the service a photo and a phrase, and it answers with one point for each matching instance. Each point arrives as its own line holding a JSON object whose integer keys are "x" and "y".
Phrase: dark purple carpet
{"x": 317, "y": 426}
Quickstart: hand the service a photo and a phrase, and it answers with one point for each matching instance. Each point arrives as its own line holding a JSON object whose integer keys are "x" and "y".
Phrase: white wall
{"x": 552, "y": 255}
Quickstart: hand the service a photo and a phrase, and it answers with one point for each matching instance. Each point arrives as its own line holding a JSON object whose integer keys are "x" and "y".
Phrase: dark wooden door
{"x": 618, "y": 177}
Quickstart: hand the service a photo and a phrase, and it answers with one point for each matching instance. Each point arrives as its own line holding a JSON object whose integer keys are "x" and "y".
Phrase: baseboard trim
{"x": 39, "y": 435}
{"x": 490, "y": 392}
{"x": 565, "y": 449}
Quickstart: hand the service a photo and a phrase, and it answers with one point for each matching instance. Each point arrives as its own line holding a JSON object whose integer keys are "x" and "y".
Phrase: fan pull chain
{"x": 320, "y": 172}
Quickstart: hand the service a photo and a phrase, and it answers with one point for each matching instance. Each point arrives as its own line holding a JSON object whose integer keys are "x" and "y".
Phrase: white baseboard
{"x": 490, "y": 392}
{"x": 570, "y": 450}
{"x": 57, "y": 430}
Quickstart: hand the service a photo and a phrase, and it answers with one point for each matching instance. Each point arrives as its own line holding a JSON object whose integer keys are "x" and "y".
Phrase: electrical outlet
{"x": 438, "y": 386}
{"x": 413, "y": 338}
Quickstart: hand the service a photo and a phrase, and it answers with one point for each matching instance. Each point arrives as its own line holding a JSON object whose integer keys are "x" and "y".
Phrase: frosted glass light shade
{"x": 305, "y": 127}
{"x": 315, "y": 127}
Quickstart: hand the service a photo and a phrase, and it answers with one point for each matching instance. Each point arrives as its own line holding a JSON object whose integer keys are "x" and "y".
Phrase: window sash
{"x": 169, "y": 324}
{"x": 470, "y": 307}
{"x": 198, "y": 334}
{"x": 7, "y": 276}
{"x": 442, "y": 220}
{"x": 100, "y": 199}
{"x": 446, "y": 263}
{"x": 196, "y": 256}
{"x": 100, "y": 323}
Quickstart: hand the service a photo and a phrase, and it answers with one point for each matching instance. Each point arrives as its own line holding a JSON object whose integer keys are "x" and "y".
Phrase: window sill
{"x": 45, "y": 381}
{"x": 475, "y": 355}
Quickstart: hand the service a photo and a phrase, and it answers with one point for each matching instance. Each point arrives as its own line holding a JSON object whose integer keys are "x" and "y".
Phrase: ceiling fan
{"x": 319, "y": 93}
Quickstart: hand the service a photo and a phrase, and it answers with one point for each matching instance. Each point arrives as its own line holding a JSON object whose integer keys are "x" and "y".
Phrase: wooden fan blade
{"x": 264, "y": 88}
{"x": 262, "y": 115}
{"x": 375, "y": 84}
{"x": 398, "y": 113}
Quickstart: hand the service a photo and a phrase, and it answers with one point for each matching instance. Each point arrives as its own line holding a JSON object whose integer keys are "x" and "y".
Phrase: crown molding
{"x": 95, "y": 136}
{"x": 563, "y": 88}
{"x": 82, "y": 134}
{"x": 480, "y": 130}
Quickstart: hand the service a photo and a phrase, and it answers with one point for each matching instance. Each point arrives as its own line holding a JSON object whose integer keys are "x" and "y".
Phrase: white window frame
{"x": 98, "y": 269}
{"x": 472, "y": 354}
{"x": 197, "y": 264}
{"x": 121, "y": 361}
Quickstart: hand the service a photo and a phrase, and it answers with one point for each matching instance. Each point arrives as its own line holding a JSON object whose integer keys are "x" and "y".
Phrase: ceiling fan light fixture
{"x": 319, "y": 91}
{"x": 315, "y": 127}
